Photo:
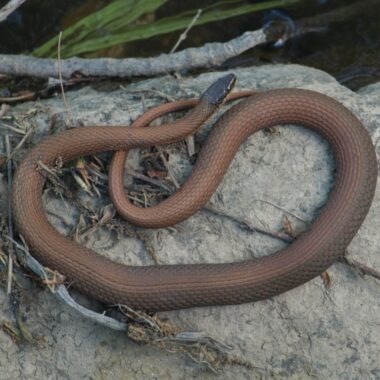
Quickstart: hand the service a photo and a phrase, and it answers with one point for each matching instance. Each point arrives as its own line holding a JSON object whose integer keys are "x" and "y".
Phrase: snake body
{"x": 167, "y": 287}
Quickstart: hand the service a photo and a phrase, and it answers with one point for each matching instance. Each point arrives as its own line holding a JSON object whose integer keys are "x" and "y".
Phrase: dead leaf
{"x": 326, "y": 279}
{"x": 11, "y": 331}
{"x": 153, "y": 173}
{"x": 288, "y": 227}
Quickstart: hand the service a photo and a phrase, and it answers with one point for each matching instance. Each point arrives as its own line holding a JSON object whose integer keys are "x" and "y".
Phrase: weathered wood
{"x": 209, "y": 55}
{"x": 9, "y": 8}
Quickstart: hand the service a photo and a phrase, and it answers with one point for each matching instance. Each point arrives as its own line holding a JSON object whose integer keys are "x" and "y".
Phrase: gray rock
{"x": 309, "y": 332}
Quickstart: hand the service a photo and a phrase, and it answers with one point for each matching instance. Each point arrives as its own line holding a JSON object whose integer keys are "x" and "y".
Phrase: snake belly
{"x": 168, "y": 287}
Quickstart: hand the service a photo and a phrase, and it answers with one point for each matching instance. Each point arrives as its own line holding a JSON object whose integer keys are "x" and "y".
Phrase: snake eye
{"x": 219, "y": 90}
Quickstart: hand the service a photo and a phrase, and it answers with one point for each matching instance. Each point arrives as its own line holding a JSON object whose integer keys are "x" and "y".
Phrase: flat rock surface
{"x": 314, "y": 331}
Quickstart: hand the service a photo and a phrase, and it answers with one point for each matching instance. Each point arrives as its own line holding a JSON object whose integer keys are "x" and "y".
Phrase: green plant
{"x": 123, "y": 21}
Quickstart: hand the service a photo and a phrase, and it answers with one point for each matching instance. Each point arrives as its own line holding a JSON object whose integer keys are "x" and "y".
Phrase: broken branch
{"x": 9, "y": 8}
{"x": 211, "y": 54}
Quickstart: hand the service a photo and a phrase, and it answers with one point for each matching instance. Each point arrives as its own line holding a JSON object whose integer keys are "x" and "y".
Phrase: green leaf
{"x": 120, "y": 22}
{"x": 118, "y": 15}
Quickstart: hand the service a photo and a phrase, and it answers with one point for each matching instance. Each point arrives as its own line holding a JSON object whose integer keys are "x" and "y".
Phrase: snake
{"x": 169, "y": 287}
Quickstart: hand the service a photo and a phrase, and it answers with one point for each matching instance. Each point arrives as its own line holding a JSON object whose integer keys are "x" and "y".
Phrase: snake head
{"x": 218, "y": 91}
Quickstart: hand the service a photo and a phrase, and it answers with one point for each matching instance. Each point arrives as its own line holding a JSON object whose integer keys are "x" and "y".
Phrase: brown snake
{"x": 166, "y": 287}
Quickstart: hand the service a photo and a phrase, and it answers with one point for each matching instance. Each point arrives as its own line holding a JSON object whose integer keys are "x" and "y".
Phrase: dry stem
{"x": 61, "y": 81}
{"x": 10, "y": 219}
{"x": 9, "y": 8}
{"x": 183, "y": 35}
{"x": 209, "y": 55}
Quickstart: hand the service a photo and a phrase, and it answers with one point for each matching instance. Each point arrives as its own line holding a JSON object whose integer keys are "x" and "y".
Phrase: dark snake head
{"x": 218, "y": 91}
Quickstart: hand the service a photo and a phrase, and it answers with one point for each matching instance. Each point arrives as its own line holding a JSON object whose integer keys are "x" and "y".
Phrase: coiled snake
{"x": 166, "y": 287}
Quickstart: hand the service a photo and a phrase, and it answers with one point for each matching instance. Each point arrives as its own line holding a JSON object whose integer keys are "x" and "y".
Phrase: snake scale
{"x": 168, "y": 287}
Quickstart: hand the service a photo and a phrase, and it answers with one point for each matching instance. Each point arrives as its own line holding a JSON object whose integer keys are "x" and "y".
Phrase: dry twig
{"x": 365, "y": 269}
{"x": 28, "y": 95}
{"x": 10, "y": 8}
{"x": 52, "y": 175}
{"x": 10, "y": 219}
{"x": 129, "y": 170}
{"x": 21, "y": 143}
{"x": 168, "y": 169}
{"x": 183, "y": 35}
{"x": 12, "y": 128}
{"x": 200, "y": 347}
{"x": 209, "y": 55}
{"x": 61, "y": 81}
